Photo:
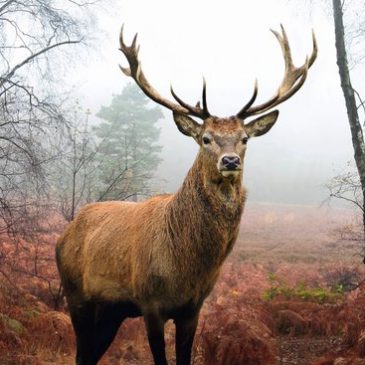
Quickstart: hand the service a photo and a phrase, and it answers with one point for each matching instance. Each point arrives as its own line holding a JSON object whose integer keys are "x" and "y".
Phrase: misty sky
{"x": 229, "y": 42}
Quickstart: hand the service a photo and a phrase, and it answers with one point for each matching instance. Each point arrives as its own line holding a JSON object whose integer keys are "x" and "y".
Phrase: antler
{"x": 293, "y": 79}
{"x": 135, "y": 71}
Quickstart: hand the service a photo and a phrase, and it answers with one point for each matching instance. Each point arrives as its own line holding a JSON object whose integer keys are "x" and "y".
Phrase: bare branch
{"x": 32, "y": 57}
{"x": 361, "y": 102}
{"x": 3, "y": 7}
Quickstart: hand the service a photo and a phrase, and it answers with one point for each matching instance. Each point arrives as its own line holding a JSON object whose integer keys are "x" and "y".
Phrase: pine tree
{"x": 128, "y": 146}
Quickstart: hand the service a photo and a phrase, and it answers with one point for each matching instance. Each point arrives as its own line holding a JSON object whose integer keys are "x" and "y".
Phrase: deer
{"x": 160, "y": 258}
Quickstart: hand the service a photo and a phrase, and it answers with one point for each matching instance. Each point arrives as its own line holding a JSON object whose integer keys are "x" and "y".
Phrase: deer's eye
{"x": 244, "y": 140}
{"x": 206, "y": 140}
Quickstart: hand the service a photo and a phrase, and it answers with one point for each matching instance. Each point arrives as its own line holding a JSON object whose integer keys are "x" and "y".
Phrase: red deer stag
{"x": 160, "y": 258}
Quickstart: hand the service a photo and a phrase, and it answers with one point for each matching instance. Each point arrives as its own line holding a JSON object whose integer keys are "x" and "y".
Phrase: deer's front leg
{"x": 185, "y": 332}
{"x": 155, "y": 332}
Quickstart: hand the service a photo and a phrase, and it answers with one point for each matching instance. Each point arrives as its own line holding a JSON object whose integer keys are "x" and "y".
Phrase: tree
{"x": 34, "y": 37}
{"x": 128, "y": 148}
{"x": 352, "y": 107}
{"x": 36, "y": 40}
{"x": 73, "y": 173}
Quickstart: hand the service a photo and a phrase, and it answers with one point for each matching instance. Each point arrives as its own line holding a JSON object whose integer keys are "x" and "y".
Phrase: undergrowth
{"x": 279, "y": 289}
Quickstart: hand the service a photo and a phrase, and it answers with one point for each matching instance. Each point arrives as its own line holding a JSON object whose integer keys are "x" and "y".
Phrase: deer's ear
{"x": 187, "y": 125}
{"x": 261, "y": 125}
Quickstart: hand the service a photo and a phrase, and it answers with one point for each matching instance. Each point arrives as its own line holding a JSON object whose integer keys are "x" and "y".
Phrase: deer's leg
{"x": 185, "y": 332}
{"x": 83, "y": 322}
{"x": 108, "y": 319}
{"x": 155, "y": 332}
{"x": 95, "y": 326}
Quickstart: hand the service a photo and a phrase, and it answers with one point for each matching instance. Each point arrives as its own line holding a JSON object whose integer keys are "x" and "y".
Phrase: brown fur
{"x": 165, "y": 251}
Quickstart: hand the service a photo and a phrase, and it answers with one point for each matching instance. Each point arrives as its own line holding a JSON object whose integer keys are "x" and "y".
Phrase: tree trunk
{"x": 349, "y": 94}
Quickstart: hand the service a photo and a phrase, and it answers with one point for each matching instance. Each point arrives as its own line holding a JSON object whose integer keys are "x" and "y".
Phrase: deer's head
{"x": 223, "y": 141}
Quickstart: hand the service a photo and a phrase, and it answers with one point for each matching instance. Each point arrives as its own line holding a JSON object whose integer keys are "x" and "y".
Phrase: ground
{"x": 287, "y": 295}
{"x": 304, "y": 350}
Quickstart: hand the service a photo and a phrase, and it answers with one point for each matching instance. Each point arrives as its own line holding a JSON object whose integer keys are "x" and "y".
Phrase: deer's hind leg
{"x": 96, "y": 325}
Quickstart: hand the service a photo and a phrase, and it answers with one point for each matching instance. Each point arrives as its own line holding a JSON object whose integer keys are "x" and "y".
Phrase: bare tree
{"x": 353, "y": 101}
{"x": 347, "y": 187}
{"x": 34, "y": 36}
{"x": 73, "y": 173}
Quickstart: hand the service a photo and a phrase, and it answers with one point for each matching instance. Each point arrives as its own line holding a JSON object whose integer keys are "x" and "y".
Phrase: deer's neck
{"x": 204, "y": 215}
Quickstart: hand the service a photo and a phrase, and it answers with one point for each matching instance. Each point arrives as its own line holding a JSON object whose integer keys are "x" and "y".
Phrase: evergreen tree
{"x": 128, "y": 145}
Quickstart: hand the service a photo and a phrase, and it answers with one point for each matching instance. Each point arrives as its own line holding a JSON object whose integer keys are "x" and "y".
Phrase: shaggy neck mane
{"x": 203, "y": 217}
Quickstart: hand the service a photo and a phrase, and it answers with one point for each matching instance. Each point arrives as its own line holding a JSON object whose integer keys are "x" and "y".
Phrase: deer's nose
{"x": 231, "y": 162}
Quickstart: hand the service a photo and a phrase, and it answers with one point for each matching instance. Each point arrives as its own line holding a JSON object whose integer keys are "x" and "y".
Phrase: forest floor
{"x": 301, "y": 350}
{"x": 284, "y": 297}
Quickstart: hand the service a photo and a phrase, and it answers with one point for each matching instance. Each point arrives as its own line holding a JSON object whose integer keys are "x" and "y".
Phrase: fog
{"x": 230, "y": 44}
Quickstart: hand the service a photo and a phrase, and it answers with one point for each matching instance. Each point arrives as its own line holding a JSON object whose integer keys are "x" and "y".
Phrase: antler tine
{"x": 315, "y": 50}
{"x": 204, "y": 97}
{"x": 284, "y": 44}
{"x": 242, "y": 113}
{"x": 195, "y": 110}
{"x": 293, "y": 80}
{"x": 190, "y": 108}
{"x": 135, "y": 71}
{"x": 121, "y": 41}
